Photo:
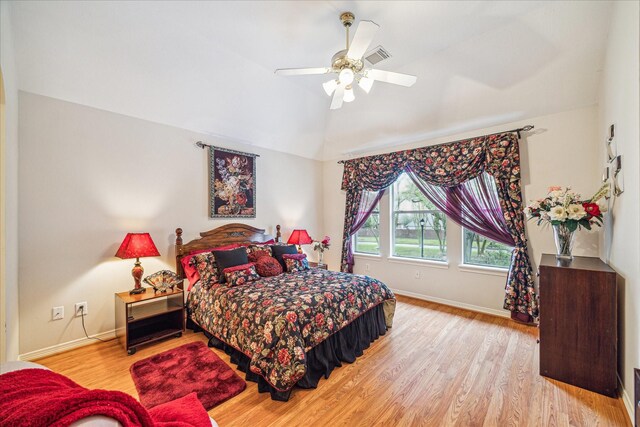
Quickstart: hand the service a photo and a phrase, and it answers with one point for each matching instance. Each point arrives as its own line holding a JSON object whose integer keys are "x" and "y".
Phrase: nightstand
{"x": 147, "y": 317}
{"x": 313, "y": 264}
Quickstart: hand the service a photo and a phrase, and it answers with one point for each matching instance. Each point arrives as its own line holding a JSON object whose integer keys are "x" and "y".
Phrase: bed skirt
{"x": 344, "y": 346}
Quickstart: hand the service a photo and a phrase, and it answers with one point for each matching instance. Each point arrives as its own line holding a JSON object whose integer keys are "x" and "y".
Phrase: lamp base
{"x": 137, "y": 273}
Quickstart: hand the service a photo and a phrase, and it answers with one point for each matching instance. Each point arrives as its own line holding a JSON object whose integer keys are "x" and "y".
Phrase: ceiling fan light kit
{"x": 348, "y": 64}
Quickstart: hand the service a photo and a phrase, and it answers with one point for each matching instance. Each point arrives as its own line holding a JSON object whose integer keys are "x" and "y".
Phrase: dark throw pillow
{"x": 295, "y": 263}
{"x": 226, "y": 259}
{"x": 267, "y": 266}
{"x": 279, "y": 250}
{"x": 241, "y": 274}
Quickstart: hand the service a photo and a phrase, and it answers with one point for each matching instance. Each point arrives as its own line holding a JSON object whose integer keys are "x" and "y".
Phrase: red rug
{"x": 189, "y": 368}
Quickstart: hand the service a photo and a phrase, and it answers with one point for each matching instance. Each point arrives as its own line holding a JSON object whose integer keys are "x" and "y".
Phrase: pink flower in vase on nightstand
{"x": 321, "y": 246}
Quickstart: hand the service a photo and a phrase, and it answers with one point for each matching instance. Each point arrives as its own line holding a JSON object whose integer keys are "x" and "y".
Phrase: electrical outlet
{"x": 367, "y": 267}
{"x": 57, "y": 313}
{"x": 82, "y": 308}
{"x": 417, "y": 274}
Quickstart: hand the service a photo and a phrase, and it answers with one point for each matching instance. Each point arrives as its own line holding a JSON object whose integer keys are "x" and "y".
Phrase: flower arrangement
{"x": 565, "y": 207}
{"x": 322, "y": 245}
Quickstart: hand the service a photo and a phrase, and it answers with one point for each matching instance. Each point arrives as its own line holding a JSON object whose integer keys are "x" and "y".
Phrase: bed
{"x": 288, "y": 330}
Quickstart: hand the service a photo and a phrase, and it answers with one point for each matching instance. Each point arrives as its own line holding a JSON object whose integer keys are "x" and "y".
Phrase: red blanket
{"x": 38, "y": 397}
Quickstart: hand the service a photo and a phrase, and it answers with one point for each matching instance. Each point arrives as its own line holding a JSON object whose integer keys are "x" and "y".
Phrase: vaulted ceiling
{"x": 209, "y": 66}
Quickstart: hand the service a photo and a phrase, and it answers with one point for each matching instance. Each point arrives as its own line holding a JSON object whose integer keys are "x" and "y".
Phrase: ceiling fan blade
{"x": 365, "y": 83}
{"x": 338, "y": 98}
{"x": 302, "y": 71}
{"x": 406, "y": 80}
{"x": 362, "y": 39}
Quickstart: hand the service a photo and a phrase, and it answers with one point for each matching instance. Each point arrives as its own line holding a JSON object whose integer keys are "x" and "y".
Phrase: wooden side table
{"x": 314, "y": 264}
{"x": 147, "y": 317}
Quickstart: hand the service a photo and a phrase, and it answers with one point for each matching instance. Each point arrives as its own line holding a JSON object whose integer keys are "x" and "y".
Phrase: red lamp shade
{"x": 299, "y": 237}
{"x": 137, "y": 245}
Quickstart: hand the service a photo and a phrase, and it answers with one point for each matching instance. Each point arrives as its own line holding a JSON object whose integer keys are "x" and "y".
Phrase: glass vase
{"x": 320, "y": 258}
{"x": 564, "y": 239}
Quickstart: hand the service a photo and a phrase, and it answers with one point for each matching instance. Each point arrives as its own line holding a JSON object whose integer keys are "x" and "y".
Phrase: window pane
{"x": 479, "y": 250}
{"x": 419, "y": 230}
{"x": 415, "y": 241}
{"x": 367, "y": 239}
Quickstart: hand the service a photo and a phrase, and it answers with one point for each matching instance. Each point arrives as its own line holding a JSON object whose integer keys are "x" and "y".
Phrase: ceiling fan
{"x": 349, "y": 66}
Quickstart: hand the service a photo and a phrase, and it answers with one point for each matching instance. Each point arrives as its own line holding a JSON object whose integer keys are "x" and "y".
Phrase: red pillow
{"x": 268, "y": 266}
{"x": 256, "y": 255}
{"x": 190, "y": 271}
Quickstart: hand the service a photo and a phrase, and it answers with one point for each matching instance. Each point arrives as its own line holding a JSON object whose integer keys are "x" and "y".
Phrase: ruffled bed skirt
{"x": 344, "y": 346}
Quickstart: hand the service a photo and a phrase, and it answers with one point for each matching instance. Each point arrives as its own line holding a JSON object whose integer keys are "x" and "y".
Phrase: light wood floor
{"x": 438, "y": 366}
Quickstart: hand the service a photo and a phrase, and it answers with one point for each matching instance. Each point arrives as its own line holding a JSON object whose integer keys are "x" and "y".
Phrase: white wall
{"x": 87, "y": 177}
{"x": 564, "y": 151}
{"x": 9, "y": 182}
{"x": 619, "y": 104}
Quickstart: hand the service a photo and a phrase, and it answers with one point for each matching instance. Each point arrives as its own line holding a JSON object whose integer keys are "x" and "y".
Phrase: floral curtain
{"x": 357, "y": 218}
{"x": 450, "y": 165}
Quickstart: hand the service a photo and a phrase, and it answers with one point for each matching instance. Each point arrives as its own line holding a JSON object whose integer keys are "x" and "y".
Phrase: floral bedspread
{"x": 276, "y": 320}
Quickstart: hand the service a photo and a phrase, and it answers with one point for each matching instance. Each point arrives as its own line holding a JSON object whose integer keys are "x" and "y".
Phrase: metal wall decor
{"x": 618, "y": 181}
{"x": 613, "y": 170}
{"x": 232, "y": 183}
{"x": 612, "y": 149}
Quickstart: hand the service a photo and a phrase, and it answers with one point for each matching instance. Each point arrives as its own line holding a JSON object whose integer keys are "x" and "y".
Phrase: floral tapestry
{"x": 232, "y": 184}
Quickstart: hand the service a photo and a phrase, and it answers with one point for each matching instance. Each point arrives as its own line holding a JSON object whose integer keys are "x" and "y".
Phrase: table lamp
{"x": 299, "y": 237}
{"x": 137, "y": 245}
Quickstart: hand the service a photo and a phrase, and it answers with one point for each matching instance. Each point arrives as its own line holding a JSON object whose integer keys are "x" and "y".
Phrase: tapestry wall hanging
{"x": 232, "y": 184}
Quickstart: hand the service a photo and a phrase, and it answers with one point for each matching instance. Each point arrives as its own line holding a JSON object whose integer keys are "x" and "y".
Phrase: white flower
{"x": 527, "y": 212}
{"x": 556, "y": 194}
{"x": 576, "y": 212}
{"x": 603, "y": 204}
{"x": 558, "y": 213}
{"x": 534, "y": 204}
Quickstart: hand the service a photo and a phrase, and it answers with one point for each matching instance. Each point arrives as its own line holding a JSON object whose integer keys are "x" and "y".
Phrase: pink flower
{"x": 284, "y": 357}
{"x": 292, "y": 316}
{"x": 554, "y": 188}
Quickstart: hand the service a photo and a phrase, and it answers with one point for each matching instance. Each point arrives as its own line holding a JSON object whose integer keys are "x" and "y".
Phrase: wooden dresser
{"x": 579, "y": 323}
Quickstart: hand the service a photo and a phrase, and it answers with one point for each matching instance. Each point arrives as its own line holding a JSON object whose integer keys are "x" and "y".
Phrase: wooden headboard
{"x": 224, "y": 235}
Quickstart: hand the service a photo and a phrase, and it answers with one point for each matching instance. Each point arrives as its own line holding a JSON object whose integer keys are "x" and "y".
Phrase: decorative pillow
{"x": 268, "y": 266}
{"x": 205, "y": 264}
{"x": 231, "y": 258}
{"x": 297, "y": 262}
{"x": 256, "y": 255}
{"x": 279, "y": 250}
{"x": 241, "y": 274}
{"x": 189, "y": 268}
{"x": 162, "y": 280}
{"x": 259, "y": 247}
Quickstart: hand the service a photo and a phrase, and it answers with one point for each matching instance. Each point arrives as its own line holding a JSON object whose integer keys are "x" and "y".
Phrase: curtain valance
{"x": 450, "y": 165}
{"x": 443, "y": 165}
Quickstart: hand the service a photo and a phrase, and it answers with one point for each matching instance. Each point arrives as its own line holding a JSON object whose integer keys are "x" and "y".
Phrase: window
{"x": 479, "y": 250}
{"x": 419, "y": 230}
{"x": 367, "y": 239}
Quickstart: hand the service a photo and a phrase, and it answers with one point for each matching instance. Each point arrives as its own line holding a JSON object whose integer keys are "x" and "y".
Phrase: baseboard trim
{"x": 626, "y": 400}
{"x": 69, "y": 345}
{"x": 452, "y": 303}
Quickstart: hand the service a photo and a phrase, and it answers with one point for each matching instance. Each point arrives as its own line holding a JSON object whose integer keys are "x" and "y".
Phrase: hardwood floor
{"x": 438, "y": 366}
